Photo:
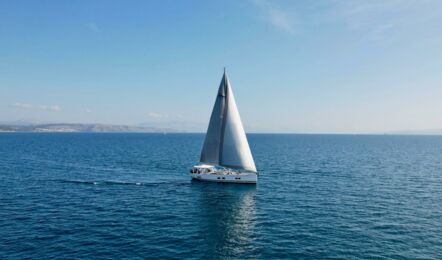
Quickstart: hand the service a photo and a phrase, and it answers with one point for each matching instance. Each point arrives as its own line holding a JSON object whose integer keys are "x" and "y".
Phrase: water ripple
{"x": 129, "y": 196}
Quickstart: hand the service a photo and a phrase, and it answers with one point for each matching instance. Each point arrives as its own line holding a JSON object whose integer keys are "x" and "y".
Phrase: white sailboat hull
{"x": 226, "y": 155}
{"x": 249, "y": 178}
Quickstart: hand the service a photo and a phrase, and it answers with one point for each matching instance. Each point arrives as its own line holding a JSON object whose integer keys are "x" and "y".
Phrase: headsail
{"x": 226, "y": 142}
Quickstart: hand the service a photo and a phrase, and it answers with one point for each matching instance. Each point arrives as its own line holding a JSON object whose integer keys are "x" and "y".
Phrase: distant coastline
{"x": 111, "y": 128}
{"x": 82, "y": 128}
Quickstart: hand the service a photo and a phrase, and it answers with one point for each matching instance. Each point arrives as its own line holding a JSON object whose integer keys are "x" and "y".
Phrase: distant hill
{"x": 91, "y": 128}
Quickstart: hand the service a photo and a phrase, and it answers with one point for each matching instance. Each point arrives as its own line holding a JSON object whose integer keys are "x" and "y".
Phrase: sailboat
{"x": 226, "y": 155}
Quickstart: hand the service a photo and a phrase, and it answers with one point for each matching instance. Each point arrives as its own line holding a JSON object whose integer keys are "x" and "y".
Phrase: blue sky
{"x": 295, "y": 66}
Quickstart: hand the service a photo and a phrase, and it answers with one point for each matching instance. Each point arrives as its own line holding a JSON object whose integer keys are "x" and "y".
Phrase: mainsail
{"x": 226, "y": 142}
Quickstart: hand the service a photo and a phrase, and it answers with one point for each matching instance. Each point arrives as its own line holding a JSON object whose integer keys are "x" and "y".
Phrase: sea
{"x": 130, "y": 196}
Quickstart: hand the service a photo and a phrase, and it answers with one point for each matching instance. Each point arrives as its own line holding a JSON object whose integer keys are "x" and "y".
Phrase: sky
{"x": 295, "y": 66}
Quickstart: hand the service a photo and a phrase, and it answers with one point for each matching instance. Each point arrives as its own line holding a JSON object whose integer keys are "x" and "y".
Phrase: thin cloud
{"x": 21, "y": 105}
{"x": 372, "y": 16}
{"x": 55, "y": 108}
{"x": 156, "y": 115}
{"x": 377, "y": 20}
{"x": 371, "y": 21}
{"x": 281, "y": 20}
{"x": 93, "y": 27}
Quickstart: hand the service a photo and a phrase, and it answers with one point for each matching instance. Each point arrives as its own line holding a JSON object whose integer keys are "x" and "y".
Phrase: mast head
{"x": 225, "y": 75}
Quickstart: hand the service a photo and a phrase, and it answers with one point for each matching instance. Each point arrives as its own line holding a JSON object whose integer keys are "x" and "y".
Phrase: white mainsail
{"x": 226, "y": 142}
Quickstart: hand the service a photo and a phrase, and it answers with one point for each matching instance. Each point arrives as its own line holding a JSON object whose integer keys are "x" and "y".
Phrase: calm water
{"x": 130, "y": 196}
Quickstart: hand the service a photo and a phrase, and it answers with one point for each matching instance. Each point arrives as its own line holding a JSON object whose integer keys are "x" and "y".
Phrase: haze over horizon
{"x": 301, "y": 66}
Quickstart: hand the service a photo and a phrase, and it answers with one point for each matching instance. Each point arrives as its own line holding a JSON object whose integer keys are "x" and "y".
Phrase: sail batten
{"x": 226, "y": 142}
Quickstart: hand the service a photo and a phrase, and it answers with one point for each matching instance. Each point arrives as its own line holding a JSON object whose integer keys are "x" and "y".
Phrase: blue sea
{"x": 114, "y": 196}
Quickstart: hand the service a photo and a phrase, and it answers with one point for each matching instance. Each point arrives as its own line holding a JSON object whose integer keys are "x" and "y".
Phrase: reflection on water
{"x": 227, "y": 219}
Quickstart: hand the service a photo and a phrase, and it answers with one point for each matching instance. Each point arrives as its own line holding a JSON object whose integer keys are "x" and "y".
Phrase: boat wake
{"x": 111, "y": 182}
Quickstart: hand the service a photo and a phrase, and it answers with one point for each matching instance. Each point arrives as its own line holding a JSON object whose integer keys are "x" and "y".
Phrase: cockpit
{"x": 201, "y": 170}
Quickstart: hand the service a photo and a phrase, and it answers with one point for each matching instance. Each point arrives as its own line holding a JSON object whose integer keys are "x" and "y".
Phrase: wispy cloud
{"x": 156, "y": 115}
{"x": 55, "y": 108}
{"x": 21, "y": 105}
{"x": 279, "y": 18}
{"x": 374, "y": 20}
{"x": 93, "y": 27}
{"x": 377, "y": 20}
